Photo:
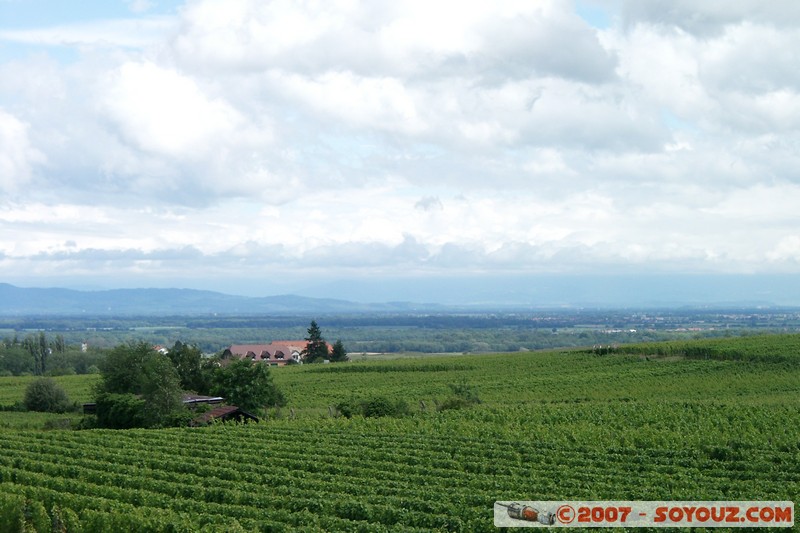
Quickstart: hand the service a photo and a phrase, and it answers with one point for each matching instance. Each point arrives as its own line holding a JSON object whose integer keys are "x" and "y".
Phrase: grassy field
{"x": 78, "y": 387}
{"x": 12, "y": 391}
{"x": 648, "y": 424}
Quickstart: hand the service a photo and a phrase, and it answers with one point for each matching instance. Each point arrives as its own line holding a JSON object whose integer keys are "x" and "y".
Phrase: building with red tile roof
{"x": 276, "y": 353}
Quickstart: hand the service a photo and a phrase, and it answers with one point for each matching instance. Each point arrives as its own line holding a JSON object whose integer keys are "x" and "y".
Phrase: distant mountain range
{"x": 455, "y": 294}
{"x": 53, "y": 301}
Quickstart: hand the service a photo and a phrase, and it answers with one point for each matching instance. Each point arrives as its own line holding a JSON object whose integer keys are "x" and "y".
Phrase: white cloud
{"x": 375, "y": 103}
{"x": 710, "y": 17}
{"x": 787, "y": 250}
{"x": 139, "y": 6}
{"x": 418, "y": 38}
{"x": 454, "y": 136}
{"x": 164, "y": 112}
{"x": 17, "y": 157}
{"x": 104, "y": 33}
{"x": 232, "y": 34}
{"x": 752, "y": 59}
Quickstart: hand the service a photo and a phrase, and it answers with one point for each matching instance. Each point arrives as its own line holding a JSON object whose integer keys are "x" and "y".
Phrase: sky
{"x": 266, "y": 146}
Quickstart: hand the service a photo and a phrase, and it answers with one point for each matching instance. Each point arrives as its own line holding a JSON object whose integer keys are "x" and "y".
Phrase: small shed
{"x": 224, "y": 413}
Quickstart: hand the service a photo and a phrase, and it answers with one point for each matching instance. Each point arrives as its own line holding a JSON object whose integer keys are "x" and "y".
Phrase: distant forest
{"x": 426, "y": 333}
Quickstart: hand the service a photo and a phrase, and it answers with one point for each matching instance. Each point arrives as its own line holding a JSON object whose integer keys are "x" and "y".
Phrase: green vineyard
{"x": 78, "y": 388}
{"x": 652, "y": 424}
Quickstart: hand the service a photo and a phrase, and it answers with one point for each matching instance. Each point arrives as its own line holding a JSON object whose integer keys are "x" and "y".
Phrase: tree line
{"x": 144, "y": 386}
{"x": 38, "y": 355}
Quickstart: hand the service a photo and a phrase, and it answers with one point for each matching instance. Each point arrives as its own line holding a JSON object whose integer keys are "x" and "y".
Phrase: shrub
{"x": 120, "y": 411}
{"x": 374, "y": 407}
{"x": 378, "y": 406}
{"x": 464, "y": 395}
{"x": 45, "y": 395}
{"x": 454, "y": 402}
{"x": 465, "y": 391}
{"x": 347, "y": 408}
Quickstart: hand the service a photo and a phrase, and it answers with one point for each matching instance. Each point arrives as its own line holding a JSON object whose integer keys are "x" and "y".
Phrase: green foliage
{"x": 348, "y": 408}
{"x": 316, "y": 348}
{"x": 338, "y": 354}
{"x": 58, "y": 423}
{"x": 78, "y": 388}
{"x": 428, "y": 333}
{"x": 418, "y": 364}
{"x": 59, "y": 344}
{"x": 35, "y": 517}
{"x": 453, "y": 402}
{"x": 763, "y": 348}
{"x": 373, "y": 407}
{"x": 63, "y": 520}
{"x": 61, "y": 371}
{"x": 38, "y": 347}
{"x": 123, "y": 368}
{"x": 17, "y": 360}
{"x": 463, "y": 395}
{"x": 188, "y": 361}
{"x": 381, "y": 406}
{"x": 45, "y": 395}
{"x": 562, "y": 426}
{"x": 161, "y": 391}
{"x": 133, "y": 371}
{"x": 40, "y": 356}
{"x": 11, "y": 508}
{"x": 73, "y": 362}
{"x": 120, "y": 411}
{"x": 247, "y": 385}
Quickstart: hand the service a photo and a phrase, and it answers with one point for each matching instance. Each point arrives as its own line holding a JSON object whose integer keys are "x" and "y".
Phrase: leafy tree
{"x": 39, "y": 350}
{"x": 120, "y": 411}
{"x": 247, "y": 385}
{"x": 316, "y": 347}
{"x": 72, "y": 362}
{"x": 44, "y": 394}
{"x": 161, "y": 391}
{"x": 338, "y": 354}
{"x": 188, "y": 361}
{"x": 123, "y": 368}
{"x": 16, "y": 360}
{"x": 59, "y": 345}
{"x": 139, "y": 387}
{"x": 44, "y": 351}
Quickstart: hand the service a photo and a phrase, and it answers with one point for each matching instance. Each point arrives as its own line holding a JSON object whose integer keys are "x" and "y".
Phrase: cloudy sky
{"x": 254, "y": 146}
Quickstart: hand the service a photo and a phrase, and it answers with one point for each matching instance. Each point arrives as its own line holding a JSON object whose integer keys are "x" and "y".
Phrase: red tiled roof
{"x": 275, "y": 352}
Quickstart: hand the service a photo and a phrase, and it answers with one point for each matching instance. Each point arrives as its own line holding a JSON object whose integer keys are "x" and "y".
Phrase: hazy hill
{"x": 35, "y": 301}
